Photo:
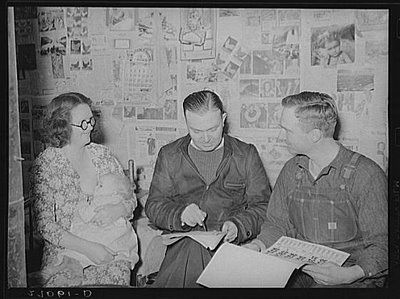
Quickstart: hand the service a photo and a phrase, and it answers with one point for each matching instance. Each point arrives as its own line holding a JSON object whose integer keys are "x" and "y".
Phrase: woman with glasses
{"x": 64, "y": 174}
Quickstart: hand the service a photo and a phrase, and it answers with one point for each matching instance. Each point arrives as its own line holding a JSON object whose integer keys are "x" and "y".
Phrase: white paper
{"x": 235, "y": 266}
{"x": 302, "y": 252}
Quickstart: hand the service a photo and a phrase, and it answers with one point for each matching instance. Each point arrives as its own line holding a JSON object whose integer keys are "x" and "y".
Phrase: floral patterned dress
{"x": 56, "y": 191}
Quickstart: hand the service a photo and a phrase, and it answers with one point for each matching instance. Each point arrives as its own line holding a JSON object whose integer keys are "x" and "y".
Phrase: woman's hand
{"x": 108, "y": 213}
{"x": 100, "y": 254}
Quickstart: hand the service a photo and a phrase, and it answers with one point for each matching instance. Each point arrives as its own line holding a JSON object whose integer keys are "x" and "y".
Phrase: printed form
{"x": 235, "y": 266}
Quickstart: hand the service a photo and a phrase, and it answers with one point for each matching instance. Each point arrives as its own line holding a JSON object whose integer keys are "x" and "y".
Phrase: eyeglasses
{"x": 84, "y": 124}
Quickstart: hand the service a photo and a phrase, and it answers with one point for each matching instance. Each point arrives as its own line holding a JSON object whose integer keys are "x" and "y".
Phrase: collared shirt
{"x": 369, "y": 198}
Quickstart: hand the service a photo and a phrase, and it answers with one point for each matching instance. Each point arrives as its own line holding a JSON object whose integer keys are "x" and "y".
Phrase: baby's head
{"x": 112, "y": 184}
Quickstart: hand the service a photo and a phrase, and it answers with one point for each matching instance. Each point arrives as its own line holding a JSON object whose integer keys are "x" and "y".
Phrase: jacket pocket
{"x": 234, "y": 191}
{"x": 234, "y": 185}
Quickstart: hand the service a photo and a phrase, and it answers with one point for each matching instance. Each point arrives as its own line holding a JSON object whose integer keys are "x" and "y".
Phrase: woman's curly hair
{"x": 56, "y": 124}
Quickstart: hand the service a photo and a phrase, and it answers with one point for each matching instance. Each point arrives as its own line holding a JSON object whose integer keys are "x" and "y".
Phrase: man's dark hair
{"x": 202, "y": 101}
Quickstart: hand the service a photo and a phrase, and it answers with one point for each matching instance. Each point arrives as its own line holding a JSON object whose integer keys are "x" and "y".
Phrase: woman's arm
{"x": 96, "y": 252}
{"x": 44, "y": 188}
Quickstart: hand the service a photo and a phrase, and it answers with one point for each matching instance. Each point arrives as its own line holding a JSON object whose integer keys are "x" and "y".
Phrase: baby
{"x": 119, "y": 235}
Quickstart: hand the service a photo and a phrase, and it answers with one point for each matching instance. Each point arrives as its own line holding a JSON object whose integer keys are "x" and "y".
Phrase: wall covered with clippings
{"x": 138, "y": 64}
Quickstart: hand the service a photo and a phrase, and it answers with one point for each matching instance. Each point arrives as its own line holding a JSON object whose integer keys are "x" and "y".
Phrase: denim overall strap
{"x": 348, "y": 170}
{"x": 299, "y": 173}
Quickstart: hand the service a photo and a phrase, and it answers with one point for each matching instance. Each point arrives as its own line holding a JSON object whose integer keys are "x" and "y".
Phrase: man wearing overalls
{"x": 328, "y": 195}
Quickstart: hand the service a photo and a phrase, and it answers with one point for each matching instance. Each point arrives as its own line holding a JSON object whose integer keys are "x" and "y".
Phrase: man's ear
{"x": 315, "y": 135}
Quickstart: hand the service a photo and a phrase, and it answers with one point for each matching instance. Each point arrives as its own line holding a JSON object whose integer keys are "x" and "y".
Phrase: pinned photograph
{"x": 253, "y": 116}
{"x": 240, "y": 53}
{"x": 197, "y": 34}
{"x": 74, "y": 63}
{"x": 194, "y": 29}
{"x": 231, "y": 69}
{"x": 332, "y": 45}
{"x": 285, "y": 87}
{"x": 229, "y": 44}
{"x": 267, "y": 62}
{"x": 87, "y": 64}
{"x": 201, "y": 72}
{"x": 53, "y": 45}
{"x": 249, "y": 88}
{"x": 150, "y": 113}
{"x": 355, "y": 80}
{"x": 76, "y": 46}
{"x": 86, "y": 46}
{"x": 46, "y": 44}
{"x": 120, "y": 19}
{"x": 50, "y": 19}
{"x": 267, "y": 88}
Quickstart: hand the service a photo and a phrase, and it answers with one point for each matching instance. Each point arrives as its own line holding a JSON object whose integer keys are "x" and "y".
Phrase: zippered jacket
{"x": 239, "y": 193}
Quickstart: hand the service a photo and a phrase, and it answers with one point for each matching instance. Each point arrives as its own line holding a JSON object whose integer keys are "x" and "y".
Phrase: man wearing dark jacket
{"x": 206, "y": 179}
